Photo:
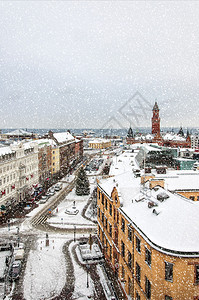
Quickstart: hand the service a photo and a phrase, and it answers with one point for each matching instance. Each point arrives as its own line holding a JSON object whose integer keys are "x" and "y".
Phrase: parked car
{"x": 43, "y": 199}
{"x": 58, "y": 186}
{"x": 51, "y": 193}
{"x": 51, "y": 189}
{"x": 15, "y": 270}
{"x": 19, "y": 254}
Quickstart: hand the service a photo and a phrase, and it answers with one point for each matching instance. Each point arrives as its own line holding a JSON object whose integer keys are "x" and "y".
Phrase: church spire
{"x": 130, "y": 133}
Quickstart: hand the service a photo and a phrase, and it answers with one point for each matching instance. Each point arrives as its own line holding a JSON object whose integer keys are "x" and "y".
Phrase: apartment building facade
{"x": 67, "y": 151}
{"x": 147, "y": 240}
{"x": 18, "y": 171}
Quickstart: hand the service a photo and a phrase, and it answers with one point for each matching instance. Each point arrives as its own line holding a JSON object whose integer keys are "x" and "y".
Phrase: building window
{"x": 103, "y": 218}
{"x": 148, "y": 256}
{"x": 129, "y": 234}
{"x": 197, "y": 274}
{"x": 137, "y": 296}
{"x": 110, "y": 252}
{"x": 138, "y": 273}
{"x": 168, "y": 298}
{"x": 138, "y": 244}
{"x": 122, "y": 249}
{"x": 102, "y": 199}
{"x": 123, "y": 225}
{"x": 168, "y": 271}
{"x": 147, "y": 288}
{"x": 106, "y": 203}
{"x": 105, "y": 223}
{"x": 98, "y": 212}
{"x": 129, "y": 259}
{"x": 110, "y": 230}
{"x": 110, "y": 209}
{"x": 123, "y": 273}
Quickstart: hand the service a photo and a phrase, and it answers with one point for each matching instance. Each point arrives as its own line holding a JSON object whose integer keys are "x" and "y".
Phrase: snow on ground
{"x": 106, "y": 284}
{"x": 61, "y": 219}
{"x": 11, "y": 229}
{"x": 81, "y": 290}
{"x": 45, "y": 273}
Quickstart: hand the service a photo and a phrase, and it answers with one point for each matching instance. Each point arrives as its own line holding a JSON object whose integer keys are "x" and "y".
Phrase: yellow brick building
{"x": 55, "y": 157}
{"x": 99, "y": 144}
{"x": 184, "y": 183}
{"x": 148, "y": 236}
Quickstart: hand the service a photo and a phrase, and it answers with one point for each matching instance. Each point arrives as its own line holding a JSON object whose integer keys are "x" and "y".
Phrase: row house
{"x": 18, "y": 171}
{"x": 148, "y": 235}
{"x": 66, "y": 152}
{"x": 44, "y": 158}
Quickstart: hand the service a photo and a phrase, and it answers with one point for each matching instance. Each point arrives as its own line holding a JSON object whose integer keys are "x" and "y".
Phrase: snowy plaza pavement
{"x": 54, "y": 268}
{"x": 61, "y": 219}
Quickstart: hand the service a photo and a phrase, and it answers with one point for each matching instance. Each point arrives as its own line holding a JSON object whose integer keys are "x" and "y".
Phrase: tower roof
{"x": 130, "y": 133}
{"x": 155, "y": 106}
{"x": 181, "y": 132}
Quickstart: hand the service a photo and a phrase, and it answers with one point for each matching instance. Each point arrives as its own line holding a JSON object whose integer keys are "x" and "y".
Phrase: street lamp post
{"x": 8, "y": 225}
{"x": 87, "y": 268}
{"x": 18, "y": 239}
{"x": 74, "y": 233}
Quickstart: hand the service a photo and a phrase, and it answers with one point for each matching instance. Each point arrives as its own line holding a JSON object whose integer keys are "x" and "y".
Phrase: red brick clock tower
{"x": 156, "y": 120}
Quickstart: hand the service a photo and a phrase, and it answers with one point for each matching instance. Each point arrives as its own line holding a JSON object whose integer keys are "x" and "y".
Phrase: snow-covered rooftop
{"x": 180, "y": 180}
{"x": 19, "y": 132}
{"x": 99, "y": 141}
{"x": 62, "y": 137}
{"x": 45, "y": 142}
{"x": 5, "y": 150}
{"x": 174, "y": 224}
{"x": 173, "y": 137}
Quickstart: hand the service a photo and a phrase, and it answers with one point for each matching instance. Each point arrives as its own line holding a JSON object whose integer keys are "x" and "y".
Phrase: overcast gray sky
{"x": 74, "y": 64}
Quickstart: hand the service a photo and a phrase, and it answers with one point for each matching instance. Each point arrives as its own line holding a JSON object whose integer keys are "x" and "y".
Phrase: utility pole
{"x": 74, "y": 233}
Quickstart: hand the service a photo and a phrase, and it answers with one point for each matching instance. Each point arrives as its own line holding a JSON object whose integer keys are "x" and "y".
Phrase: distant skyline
{"x": 79, "y": 64}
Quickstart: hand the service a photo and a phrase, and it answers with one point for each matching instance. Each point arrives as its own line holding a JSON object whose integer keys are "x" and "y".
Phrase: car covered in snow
{"x": 58, "y": 186}
{"x": 15, "y": 270}
{"x": 43, "y": 199}
{"x": 51, "y": 193}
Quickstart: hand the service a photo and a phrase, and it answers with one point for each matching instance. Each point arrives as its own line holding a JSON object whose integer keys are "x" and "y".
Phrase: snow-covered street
{"x": 53, "y": 268}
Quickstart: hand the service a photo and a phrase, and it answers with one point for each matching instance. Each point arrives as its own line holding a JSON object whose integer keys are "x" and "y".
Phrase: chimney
{"x": 156, "y": 182}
